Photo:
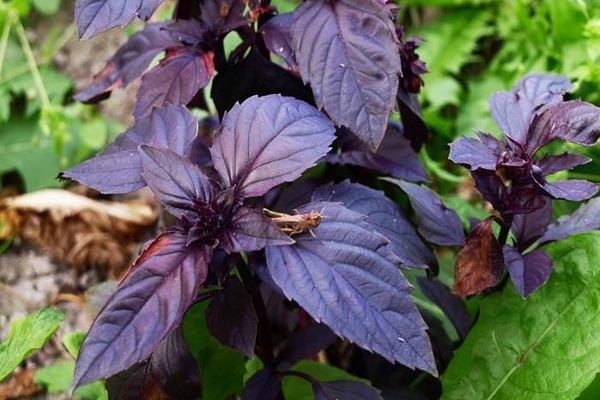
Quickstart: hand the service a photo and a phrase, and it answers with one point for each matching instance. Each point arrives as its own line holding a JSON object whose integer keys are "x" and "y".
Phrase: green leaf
{"x": 46, "y": 7}
{"x": 27, "y": 335}
{"x": 545, "y": 347}
{"x": 58, "y": 378}
{"x": 73, "y": 341}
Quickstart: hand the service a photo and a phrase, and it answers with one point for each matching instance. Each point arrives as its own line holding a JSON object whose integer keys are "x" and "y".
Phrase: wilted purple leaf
{"x": 265, "y": 384}
{"x": 231, "y": 317}
{"x": 514, "y": 111}
{"x": 118, "y": 168}
{"x": 144, "y": 310}
{"x": 346, "y": 390}
{"x": 170, "y": 371}
{"x": 305, "y": 343}
{"x": 528, "y": 272}
{"x": 586, "y": 218}
{"x": 345, "y": 276}
{"x": 483, "y": 153}
{"x": 385, "y": 217}
{"x": 277, "y": 33}
{"x": 348, "y": 51}
{"x": 177, "y": 183}
{"x": 250, "y": 230}
{"x": 175, "y": 80}
{"x": 529, "y": 227}
{"x": 266, "y": 141}
{"x": 572, "y": 121}
{"x": 437, "y": 223}
{"x": 129, "y": 62}
{"x": 394, "y": 157}
{"x": 573, "y": 189}
{"x": 95, "y": 16}
{"x": 453, "y": 306}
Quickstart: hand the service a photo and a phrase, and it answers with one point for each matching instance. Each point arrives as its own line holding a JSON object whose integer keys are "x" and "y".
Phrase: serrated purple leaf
{"x": 231, "y": 317}
{"x": 265, "y": 384}
{"x": 175, "y": 80}
{"x": 586, "y": 218}
{"x": 277, "y": 34}
{"x": 177, "y": 184}
{"x": 250, "y": 230}
{"x": 266, "y": 141}
{"x": 555, "y": 163}
{"x": 345, "y": 276}
{"x": 305, "y": 343}
{"x": 129, "y": 62}
{"x": 514, "y": 111}
{"x": 95, "y": 16}
{"x": 527, "y": 228}
{"x": 346, "y": 390}
{"x": 528, "y": 272}
{"x": 118, "y": 168}
{"x": 348, "y": 51}
{"x": 144, "y": 310}
{"x": 437, "y": 223}
{"x": 453, "y": 306}
{"x": 385, "y": 217}
{"x": 394, "y": 157}
{"x": 573, "y": 189}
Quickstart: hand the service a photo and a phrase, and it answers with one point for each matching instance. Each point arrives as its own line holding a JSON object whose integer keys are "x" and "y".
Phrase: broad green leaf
{"x": 545, "y": 347}
{"x": 58, "y": 378}
{"x": 27, "y": 335}
{"x": 592, "y": 392}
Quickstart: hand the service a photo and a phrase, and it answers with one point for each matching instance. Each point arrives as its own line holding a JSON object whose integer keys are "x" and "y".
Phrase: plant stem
{"x": 4, "y": 40}
{"x": 33, "y": 67}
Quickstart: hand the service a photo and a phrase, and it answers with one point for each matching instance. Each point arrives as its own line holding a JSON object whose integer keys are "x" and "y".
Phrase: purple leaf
{"x": 224, "y": 15}
{"x": 118, "y": 168}
{"x": 263, "y": 385}
{"x": 571, "y": 121}
{"x": 437, "y": 223}
{"x": 149, "y": 304}
{"x": 171, "y": 370}
{"x": 348, "y": 51}
{"x": 490, "y": 186}
{"x": 385, "y": 217}
{"x": 177, "y": 183}
{"x": 529, "y": 227}
{"x": 129, "y": 62}
{"x": 305, "y": 343}
{"x": 394, "y": 157}
{"x": 277, "y": 33}
{"x": 514, "y": 111}
{"x": 346, "y": 277}
{"x": 175, "y": 80}
{"x": 573, "y": 189}
{"x": 250, "y": 230}
{"x": 346, "y": 390}
{"x": 266, "y": 141}
{"x": 586, "y": 218}
{"x": 412, "y": 119}
{"x": 95, "y": 16}
{"x": 528, "y": 272}
{"x": 483, "y": 153}
{"x": 231, "y": 317}
{"x": 562, "y": 162}
{"x": 453, "y": 306}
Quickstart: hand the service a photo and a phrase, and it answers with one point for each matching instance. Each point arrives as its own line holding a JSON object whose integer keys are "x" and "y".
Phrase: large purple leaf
{"x": 514, "y": 111}
{"x": 149, "y": 304}
{"x": 170, "y": 371}
{"x": 346, "y": 390}
{"x": 305, "y": 343}
{"x": 266, "y": 141}
{"x": 176, "y": 182}
{"x": 95, "y": 16}
{"x": 573, "y": 189}
{"x": 437, "y": 223}
{"x": 118, "y": 168}
{"x": 528, "y": 272}
{"x": 572, "y": 121}
{"x": 129, "y": 62}
{"x": 345, "y": 276}
{"x": 277, "y": 33}
{"x": 231, "y": 317}
{"x": 529, "y": 227}
{"x": 562, "y": 162}
{"x": 483, "y": 153}
{"x": 385, "y": 217}
{"x": 250, "y": 230}
{"x": 585, "y": 218}
{"x": 348, "y": 51}
{"x": 175, "y": 80}
{"x": 394, "y": 157}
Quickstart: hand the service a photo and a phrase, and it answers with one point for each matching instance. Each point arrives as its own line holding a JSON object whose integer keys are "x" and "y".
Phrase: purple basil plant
{"x": 315, "y": 85}
{"x": 516, "y": 180}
